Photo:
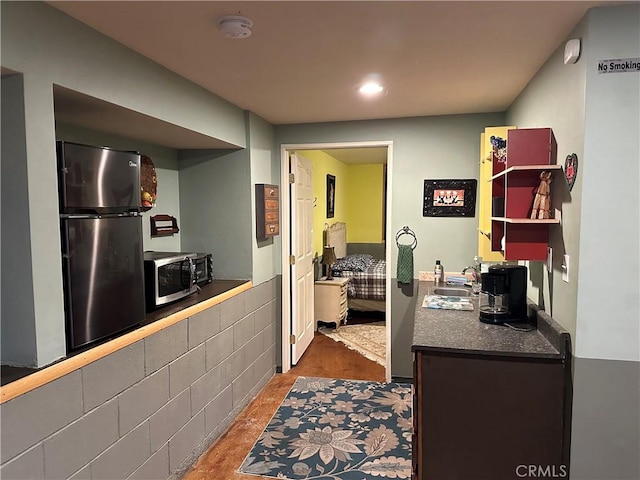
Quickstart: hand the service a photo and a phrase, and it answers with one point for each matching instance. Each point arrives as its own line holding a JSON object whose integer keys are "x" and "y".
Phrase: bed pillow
{"x": 358, "y": 262}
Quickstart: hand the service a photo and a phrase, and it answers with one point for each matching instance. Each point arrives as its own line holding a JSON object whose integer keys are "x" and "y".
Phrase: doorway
{"x": 286, "y": 236}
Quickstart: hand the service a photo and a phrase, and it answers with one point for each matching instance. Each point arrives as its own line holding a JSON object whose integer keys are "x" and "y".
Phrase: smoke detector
{"x": 235, "y": 26}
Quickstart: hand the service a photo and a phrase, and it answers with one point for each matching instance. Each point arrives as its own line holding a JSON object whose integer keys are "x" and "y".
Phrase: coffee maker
{"x": 503, "y": 298}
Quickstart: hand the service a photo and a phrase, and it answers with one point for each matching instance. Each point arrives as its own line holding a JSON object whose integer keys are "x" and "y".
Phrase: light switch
{"x": 565, "y": 269}
{"x": 558, "y": 215}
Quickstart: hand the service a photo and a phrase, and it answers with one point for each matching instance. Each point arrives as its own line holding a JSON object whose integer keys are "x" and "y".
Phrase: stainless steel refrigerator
{"x": 101, "y": 232}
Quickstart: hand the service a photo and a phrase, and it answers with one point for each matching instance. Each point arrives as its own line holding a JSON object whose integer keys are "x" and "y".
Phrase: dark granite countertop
{"x": 455, "y": 331}
{"x": 208, "y": 291}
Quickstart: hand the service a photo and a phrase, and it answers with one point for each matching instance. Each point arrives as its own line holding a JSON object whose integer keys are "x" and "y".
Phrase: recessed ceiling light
{"x": 235, "y": 26}
{"x": 371, "y": 89}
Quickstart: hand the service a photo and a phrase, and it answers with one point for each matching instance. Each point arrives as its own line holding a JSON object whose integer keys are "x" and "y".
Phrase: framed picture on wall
{"x": 331, "y": 195}
{"x": 449, "y": 198}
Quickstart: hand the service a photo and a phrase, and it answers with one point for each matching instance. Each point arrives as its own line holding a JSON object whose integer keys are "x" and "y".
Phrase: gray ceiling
{"x": 304, "y": 59}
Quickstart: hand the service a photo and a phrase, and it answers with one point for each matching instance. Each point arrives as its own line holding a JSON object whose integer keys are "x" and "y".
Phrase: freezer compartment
{"x": 97, "y": 180}
{"x": 103, "y": 277}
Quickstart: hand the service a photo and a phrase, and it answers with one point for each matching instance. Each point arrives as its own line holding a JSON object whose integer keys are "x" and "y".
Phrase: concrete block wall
{"x": 148, "y": 410}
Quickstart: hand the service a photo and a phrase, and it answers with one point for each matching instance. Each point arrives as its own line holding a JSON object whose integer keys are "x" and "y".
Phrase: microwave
{"x": 172, "y": 276}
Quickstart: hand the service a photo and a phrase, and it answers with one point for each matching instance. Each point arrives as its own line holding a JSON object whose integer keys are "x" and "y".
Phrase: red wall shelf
{"x": 530, "y": 221}
{"x": 529, "y": 152}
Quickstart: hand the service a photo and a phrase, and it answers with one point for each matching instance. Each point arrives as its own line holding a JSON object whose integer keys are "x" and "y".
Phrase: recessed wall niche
{"x": 83, "y": 110}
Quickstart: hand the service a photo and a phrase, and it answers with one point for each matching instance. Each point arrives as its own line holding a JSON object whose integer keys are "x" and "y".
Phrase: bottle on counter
{"x": 476, "y": 279}
{"x": 438, "y": 273}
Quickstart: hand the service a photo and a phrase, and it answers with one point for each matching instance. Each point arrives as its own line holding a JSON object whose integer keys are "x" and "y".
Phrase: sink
{"x": 452, "y": 291}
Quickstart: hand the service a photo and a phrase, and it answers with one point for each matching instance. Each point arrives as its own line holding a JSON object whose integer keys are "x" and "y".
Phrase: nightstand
{"x": 331, "y": 301}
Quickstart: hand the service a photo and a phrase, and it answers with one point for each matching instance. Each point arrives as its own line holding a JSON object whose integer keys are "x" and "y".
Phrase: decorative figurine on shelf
{"x": 542, "y": 200}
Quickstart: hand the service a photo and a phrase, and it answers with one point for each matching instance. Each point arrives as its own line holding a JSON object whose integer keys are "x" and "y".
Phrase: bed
{"x": 365, "y": 266}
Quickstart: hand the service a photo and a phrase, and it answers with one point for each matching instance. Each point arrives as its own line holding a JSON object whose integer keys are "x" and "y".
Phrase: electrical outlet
{"x": 565, "y": 269}
{"x": 549, "y": 260}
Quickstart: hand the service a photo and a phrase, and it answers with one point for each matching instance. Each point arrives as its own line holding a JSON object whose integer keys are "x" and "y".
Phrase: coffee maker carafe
{"x": 503, "y": 298}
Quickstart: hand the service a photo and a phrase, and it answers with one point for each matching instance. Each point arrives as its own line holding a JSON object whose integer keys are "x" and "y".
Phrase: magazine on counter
{"x": 447, "y": 302}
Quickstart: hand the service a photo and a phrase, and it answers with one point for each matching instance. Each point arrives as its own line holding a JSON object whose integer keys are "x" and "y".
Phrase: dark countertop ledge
{"x": 461, "y": 332}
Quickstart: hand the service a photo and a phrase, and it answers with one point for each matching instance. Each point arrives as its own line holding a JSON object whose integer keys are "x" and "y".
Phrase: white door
{"x": 302, "y": 249}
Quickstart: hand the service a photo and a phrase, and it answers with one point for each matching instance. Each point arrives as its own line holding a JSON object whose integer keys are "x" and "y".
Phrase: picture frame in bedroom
{"x": 331, "y": 195}
{"x": 449, "y": 198}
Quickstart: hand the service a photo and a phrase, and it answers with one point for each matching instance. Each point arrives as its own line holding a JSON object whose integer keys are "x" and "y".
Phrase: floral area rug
{"x": 368, "y": 339}
{"x": 329, "y": 429}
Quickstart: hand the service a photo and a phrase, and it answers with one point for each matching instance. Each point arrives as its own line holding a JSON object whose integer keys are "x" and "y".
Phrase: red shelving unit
{"x": 530, "y": 151}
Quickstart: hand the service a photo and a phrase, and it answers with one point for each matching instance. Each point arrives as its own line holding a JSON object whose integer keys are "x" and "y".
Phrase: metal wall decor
{"x": 571, "y": 169}
{"x": 449, "y": 198}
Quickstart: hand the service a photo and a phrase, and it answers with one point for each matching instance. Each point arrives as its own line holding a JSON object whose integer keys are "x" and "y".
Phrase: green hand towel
{"x": 405, "y": 264}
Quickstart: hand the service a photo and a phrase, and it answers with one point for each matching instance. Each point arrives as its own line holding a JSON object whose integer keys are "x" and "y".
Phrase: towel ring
{"x": 407, "y": 231}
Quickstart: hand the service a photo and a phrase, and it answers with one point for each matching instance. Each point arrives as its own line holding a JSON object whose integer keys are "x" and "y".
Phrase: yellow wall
{"x": 484, "y": 193}
{"x": 359, "y": 200}
{"x": 365, "y": 200}
{"x": 324, "y": 164}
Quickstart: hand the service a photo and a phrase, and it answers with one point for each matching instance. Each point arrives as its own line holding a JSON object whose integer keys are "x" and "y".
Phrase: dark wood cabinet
{"x": 480, "y": 417}
{"x": 267, "y": 211}
{"x": 489, "y": 401}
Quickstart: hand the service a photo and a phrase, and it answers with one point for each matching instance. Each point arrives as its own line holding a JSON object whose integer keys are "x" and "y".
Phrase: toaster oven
{"x": 203, "y": 268}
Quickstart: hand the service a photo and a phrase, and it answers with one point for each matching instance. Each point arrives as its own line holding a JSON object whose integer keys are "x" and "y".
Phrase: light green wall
{"x": 555, "y": 98}
{"x": 43, "y": 300}
{"x": 423, "y": 148}
{"x": 197, "y": 230}
{"x": 49, "y": 47}
{"x": 266, "y": 254}
{"x": 209, "y": 179}
{"x": 365, "y": 203}
{"x": 606, "y": 437}
{"x": 165, "y": 161}
{"x": 596, "y": 116}
{"x": 609, "y": 230}
{"x": 41, "y": 40}
{"x": 18, "y": 333}
{"x": 215, "y": 207}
